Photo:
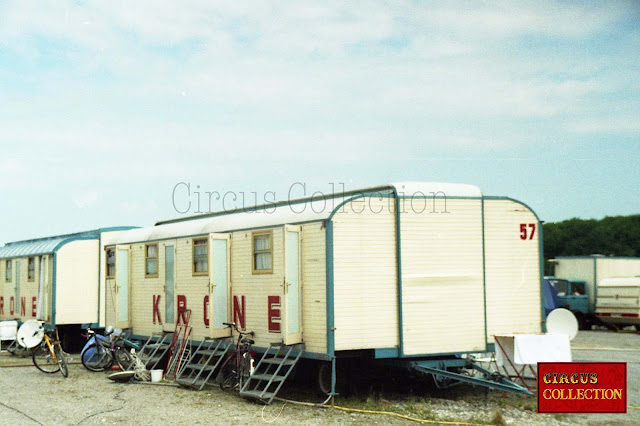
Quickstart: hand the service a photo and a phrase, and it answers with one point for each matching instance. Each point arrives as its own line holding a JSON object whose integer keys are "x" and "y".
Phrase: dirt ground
{"x": 28, "y": 396}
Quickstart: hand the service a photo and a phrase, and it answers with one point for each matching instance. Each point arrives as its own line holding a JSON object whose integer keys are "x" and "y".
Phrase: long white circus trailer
{"x": 424, "y": 272}
{"x": 55, "y": 279}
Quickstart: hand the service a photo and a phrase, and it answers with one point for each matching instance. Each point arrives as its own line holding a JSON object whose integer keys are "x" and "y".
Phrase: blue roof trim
{"x": 49, "y": 245}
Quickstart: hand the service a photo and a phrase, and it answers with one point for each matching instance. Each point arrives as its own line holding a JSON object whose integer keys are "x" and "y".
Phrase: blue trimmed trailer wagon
{"x": 55, "y": 279}
{"x": 414, "y": 273}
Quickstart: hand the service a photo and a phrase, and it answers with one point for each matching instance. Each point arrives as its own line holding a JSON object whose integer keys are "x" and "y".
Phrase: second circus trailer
{"x": 402, "y": 271}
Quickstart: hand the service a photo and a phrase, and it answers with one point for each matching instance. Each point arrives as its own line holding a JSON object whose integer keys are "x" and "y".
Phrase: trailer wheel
{"x": 323, "y": 377}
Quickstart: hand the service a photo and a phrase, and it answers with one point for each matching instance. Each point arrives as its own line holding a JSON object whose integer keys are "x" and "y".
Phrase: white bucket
{"x": 156, "y": 375}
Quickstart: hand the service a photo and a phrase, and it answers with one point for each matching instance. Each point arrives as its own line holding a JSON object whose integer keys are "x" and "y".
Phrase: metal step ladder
{"x": 155, "y": 349}
{"x": 203, "y": 362}
{"x": 271, "y": 372}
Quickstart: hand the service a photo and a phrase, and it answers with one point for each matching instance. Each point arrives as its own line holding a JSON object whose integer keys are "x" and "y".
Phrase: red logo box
{"x": 582, "y": 387}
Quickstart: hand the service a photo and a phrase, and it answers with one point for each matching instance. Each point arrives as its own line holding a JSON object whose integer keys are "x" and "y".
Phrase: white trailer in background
{"x": 56, "y": 280}
{"x": 618, "y": 301}
{"x": 417, "y": 273}
{"x": 593, "y": 269}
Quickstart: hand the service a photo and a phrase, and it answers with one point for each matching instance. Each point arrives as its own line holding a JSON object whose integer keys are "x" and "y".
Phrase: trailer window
{"x": 8, "y": 272}
{"x": 111, "y": 263}
{"x": 151, "y": 260}
{"x": 262, "y": 252}
{"x": 200, "y": 257}
{"x": 31, "y": 268}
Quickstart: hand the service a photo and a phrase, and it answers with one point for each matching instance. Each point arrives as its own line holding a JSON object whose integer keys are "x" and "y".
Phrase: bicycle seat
{"x": 247, "y": 341}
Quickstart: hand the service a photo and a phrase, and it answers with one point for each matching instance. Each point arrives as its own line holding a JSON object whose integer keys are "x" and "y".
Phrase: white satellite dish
{"x": 30, "y": 334}
{"x": 562, "y": 321}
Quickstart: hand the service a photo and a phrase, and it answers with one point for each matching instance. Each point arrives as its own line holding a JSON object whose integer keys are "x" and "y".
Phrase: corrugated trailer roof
{"x": 48, "y": 245}
{"x": 40, "y": 246}
{"x": 281, "y": 212}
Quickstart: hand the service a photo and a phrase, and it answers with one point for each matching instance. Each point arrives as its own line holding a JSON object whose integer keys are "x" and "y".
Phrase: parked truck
{"x": 578, "y": 281}
{"x": 618, "y": 302}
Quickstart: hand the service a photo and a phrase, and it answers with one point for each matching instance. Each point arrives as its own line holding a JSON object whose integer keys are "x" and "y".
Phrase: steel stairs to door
{"x": 271, "y": 372}
{"x": 155, "y": 349}
{"x": 203, "y": 362}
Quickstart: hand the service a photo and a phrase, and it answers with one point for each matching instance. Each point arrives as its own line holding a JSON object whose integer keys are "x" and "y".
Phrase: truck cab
{"x": 572, "y": 295}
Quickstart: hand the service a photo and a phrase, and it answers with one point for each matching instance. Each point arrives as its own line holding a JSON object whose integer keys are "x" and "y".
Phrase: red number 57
{"x": 524, "y": 233}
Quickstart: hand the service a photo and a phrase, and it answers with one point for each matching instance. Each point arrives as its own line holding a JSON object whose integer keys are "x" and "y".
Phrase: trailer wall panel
{"x": 512, "y": 269}
{"x": 256, "y": 288}
{"x": 365, "y": 277}
{"x": 442, "y": 282}
{"x": 314, "y": 288}
{"x": 77, "y": 282}
{"x": 617, "y": 267}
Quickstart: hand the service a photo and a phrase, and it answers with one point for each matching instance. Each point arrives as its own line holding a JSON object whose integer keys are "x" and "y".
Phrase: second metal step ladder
{"x": 271, "y": 372}
{"x": 202, "y": 363}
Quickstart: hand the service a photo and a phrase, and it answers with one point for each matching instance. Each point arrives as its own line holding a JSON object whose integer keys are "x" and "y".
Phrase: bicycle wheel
{"x": 96, "y": 358}
{"x": 124, "y": 359}
{"x": 245, "y": 368}
{"x": 227, "y": 378}
{"x": 43, "y": 359}
{"x": 62, "y": 360}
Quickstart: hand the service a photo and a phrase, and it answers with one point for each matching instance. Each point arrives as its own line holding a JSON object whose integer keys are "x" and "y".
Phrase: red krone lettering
{"x": 156, "y": 309}
{"x": 12, "y": 306}
{"x": 239, "y": 311}
{"x": 23, "y": 306}
{"x": 273, "y": 313}
{"x": 1, "y": 305}
{"x": 33, "y": 307}
{"x": 206, "y": 310}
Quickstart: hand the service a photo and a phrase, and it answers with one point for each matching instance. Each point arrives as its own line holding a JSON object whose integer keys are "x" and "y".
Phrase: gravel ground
{"x": 28, "y": 396}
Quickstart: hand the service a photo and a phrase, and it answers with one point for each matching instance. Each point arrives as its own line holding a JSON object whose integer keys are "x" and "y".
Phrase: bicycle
{"x": 239, "y": 364}
{"x": 100, "y": 355}
{"x": 48, "y": 356}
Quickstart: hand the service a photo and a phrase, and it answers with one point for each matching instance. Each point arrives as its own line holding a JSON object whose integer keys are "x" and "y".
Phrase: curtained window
{"x": 111, "y": 263}
{"x": 200, "y": 257}
{"x": 262, "y": 252}
{"x": 151, "y": 260}
{"x": 8, "y": 271}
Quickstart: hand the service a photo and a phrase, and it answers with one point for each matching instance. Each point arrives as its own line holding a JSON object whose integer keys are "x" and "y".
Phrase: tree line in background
{"x": 611, "y": 236}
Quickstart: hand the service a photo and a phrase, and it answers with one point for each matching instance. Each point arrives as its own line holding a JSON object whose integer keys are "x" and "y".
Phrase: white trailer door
{"x": 292, "y": 297}
{"x": 219, "y": 285}
{"x": 123, "y": 278}
{"x": 169, "y": 286}
{"x": 16, "y": 302}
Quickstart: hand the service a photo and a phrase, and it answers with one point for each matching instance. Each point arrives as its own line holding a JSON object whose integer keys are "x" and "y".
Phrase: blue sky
{"x": 106, "y": 106}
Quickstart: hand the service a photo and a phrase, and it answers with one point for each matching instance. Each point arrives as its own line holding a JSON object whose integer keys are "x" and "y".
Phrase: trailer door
{"x": 219, "y": 285}
{"x": 169, "y": 286}
{"x": 292, "y": 286}
{"x": 123, "y": 278}
{"x": 16, "y": 303}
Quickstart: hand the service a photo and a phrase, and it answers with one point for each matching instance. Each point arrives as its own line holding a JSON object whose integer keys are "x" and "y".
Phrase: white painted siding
{"x": 512, "y": 269}
{"x": 365, "y": 280}
{"x": 254, "y": 288}
{"x": 22, "y": 308}
{"x": 314, "y": 287}
{"x": 442, "y": 282}
{"x": 613, "y": 267}
{"x": 77, "y": 282}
